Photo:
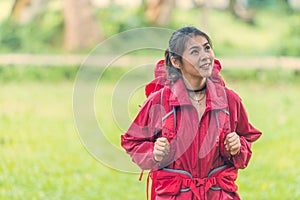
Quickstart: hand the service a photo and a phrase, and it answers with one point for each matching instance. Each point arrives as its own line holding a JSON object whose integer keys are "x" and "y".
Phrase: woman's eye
{"x": 195, "y": 52}
{"x": 207, "y": 48}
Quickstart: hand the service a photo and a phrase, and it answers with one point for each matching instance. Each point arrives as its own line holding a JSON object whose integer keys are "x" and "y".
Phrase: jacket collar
{"x": 215, "y": 95}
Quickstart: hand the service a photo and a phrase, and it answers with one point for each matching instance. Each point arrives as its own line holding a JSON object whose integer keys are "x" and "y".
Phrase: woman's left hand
{"x": 232, "y": 143}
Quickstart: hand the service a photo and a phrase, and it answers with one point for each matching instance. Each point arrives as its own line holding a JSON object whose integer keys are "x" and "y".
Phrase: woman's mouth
{"x": 205, "y": 66}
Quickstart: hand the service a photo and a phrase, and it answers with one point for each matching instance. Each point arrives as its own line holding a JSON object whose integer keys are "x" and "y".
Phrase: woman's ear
{"x": 175, "y": 62}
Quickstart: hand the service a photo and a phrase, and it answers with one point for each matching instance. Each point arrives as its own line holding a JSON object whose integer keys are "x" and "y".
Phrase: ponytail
{"x": 173, "y": 73}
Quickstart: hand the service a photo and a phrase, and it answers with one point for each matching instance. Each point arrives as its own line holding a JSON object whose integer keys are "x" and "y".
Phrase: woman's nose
{"x": 203, "y": 55}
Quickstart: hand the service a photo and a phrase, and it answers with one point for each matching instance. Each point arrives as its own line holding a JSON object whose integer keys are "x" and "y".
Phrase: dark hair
{"x": 177, "y": 45}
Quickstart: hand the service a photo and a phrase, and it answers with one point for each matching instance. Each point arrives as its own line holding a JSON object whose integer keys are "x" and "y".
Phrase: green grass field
{"x": 42, "y": 156}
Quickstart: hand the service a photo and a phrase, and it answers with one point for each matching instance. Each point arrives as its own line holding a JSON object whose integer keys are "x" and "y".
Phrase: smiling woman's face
{"x": 197, "y": 58}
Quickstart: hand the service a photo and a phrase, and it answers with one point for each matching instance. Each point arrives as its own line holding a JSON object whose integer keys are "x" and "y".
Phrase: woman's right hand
{"x": 161, "y": 148}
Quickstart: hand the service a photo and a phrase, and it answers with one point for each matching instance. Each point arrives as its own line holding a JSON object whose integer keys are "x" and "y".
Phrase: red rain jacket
{"x": 198, "y": 145}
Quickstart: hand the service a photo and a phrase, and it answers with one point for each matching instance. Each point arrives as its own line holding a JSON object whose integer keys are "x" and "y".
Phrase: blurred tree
{"x": 159, "y": 12}
{"x": 202, "y": 5}
{"x": 295, "y": 4}
{"x": 240, "y": 11}
{"x": 23, "y": 11}
{"x": 81, "y": 26}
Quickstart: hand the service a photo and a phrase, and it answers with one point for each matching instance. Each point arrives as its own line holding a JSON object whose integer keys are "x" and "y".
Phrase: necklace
{"x": 198, "y": 101}
{"x": 199, "y": 90}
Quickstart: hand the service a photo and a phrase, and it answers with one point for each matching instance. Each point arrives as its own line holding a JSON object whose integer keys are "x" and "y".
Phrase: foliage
{"x": 9, "y": 35}
{"x": 44, "y": 34}
{"x": 262, "y": 3}
{"x": 261, "y": 39}
{"x": 33, "y": 73}
{"x": 291, "y": 44}
{"x": 119, "y": 19}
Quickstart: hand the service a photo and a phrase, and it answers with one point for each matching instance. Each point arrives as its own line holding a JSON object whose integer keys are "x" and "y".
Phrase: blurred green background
{"x": 41, "y": 154}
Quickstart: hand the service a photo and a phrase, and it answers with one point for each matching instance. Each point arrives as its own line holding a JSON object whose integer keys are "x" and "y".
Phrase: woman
{"x": 193, "y": 134}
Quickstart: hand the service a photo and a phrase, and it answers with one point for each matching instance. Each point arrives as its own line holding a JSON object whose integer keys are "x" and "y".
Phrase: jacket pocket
{"x": 167, "y": 183}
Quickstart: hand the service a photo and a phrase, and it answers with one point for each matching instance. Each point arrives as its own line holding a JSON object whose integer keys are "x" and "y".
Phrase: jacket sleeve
{"x": 139, "y": 140}
{"x": 248, "y": 134}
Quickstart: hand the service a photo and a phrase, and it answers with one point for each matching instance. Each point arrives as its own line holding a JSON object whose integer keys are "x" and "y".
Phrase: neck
{"x": 195, "y": 84}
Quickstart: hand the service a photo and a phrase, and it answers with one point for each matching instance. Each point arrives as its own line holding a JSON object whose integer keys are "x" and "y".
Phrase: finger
{"x": 159, "y": 153}
{"x": 166, "y": 150}
{"x": 234, "y": 150}
{"x": 228, "y": 136}
{"x": 233, "y": 138}
{"x": 226, "y": 140}
{"x": 235, "y": 147}
{"x": 233, "y": 143}
{"x": 159, "y": 144}
{"x": 159, "y": 148}
{"x": 162, "y": 147}
{"x": 163, "y": 140}
{"x": 226, "y": 147}
{"x": 230, "y": 145}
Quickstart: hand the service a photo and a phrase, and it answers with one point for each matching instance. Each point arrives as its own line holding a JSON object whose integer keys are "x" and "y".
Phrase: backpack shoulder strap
{"x": 217, "y": 116}
{"x": 169, "y": 119}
